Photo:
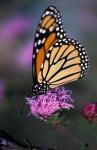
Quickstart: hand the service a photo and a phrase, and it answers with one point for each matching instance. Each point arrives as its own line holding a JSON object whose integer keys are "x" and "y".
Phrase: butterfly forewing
{"x": 49, "y": 30}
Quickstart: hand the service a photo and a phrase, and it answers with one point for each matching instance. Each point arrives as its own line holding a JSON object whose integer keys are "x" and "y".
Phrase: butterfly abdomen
{"x": 39, "y": 89}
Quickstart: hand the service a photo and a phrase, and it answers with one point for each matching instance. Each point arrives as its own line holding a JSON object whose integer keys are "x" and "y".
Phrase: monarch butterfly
{"x": 57, "y": 59}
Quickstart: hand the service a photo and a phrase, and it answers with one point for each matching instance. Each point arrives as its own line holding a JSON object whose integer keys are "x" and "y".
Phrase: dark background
{"x": 18, "y": 21}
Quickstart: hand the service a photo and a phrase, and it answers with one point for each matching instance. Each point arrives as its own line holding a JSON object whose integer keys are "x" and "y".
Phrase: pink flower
{"x": 44, "y": 106}
{"x": 90, "y": 112}
{"x": 24, "y": 55}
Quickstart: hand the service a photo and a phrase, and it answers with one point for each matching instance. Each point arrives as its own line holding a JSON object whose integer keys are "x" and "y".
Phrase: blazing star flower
{"x": 90, "y": 112}
{"x": 46, "y": 105}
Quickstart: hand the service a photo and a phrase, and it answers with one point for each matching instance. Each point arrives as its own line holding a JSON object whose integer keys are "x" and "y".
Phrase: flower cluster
{"x": 90, "y": 112}
{"x": 44, "y": 106}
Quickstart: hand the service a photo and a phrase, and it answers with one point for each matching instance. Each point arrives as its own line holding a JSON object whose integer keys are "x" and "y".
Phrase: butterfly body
{"x": 39, "y": 89}
{"x": 57, "y": 59}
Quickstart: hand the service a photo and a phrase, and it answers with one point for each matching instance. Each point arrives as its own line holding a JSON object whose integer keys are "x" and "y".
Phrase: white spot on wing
{"x": 37, "y": 34}
{"x": 33, "y": 55}
{"x": 57, "y": 29}
{"x": 40, "y": 30}
{"x": 48, "y": 54}
{"x": 61, "y": 36}
{"x": 42, "y": 66}
{"x": 43, "y": 40}
{"x": 39, "y": 42}
{"x": 51, "y": 28}
{"x": 35, "y": 44}
{"x": 58, "y": 33}
{"x": 47, "y": 12}
{"x": 43, "y": 31}
{"x": 37, "y": 50}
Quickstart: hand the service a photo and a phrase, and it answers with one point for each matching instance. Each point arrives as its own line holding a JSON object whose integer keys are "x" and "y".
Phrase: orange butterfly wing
{"x": 49, "y": 30}
{"x": 65, "y": 61}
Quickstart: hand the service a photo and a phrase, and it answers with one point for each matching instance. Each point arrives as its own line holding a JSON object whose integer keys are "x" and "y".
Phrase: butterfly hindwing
{"x": 49, "y": 30}
{"x": 65, "y": 61}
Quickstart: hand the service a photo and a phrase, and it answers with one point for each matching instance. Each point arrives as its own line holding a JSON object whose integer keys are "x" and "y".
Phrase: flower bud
{"x": 90, "y": 112}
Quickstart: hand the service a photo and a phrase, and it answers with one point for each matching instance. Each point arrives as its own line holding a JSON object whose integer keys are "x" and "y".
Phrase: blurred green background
{"x": 18, "y": 21}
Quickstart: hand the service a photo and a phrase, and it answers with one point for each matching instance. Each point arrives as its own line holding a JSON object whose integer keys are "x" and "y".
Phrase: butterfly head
{"x": 39, "y": 89}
